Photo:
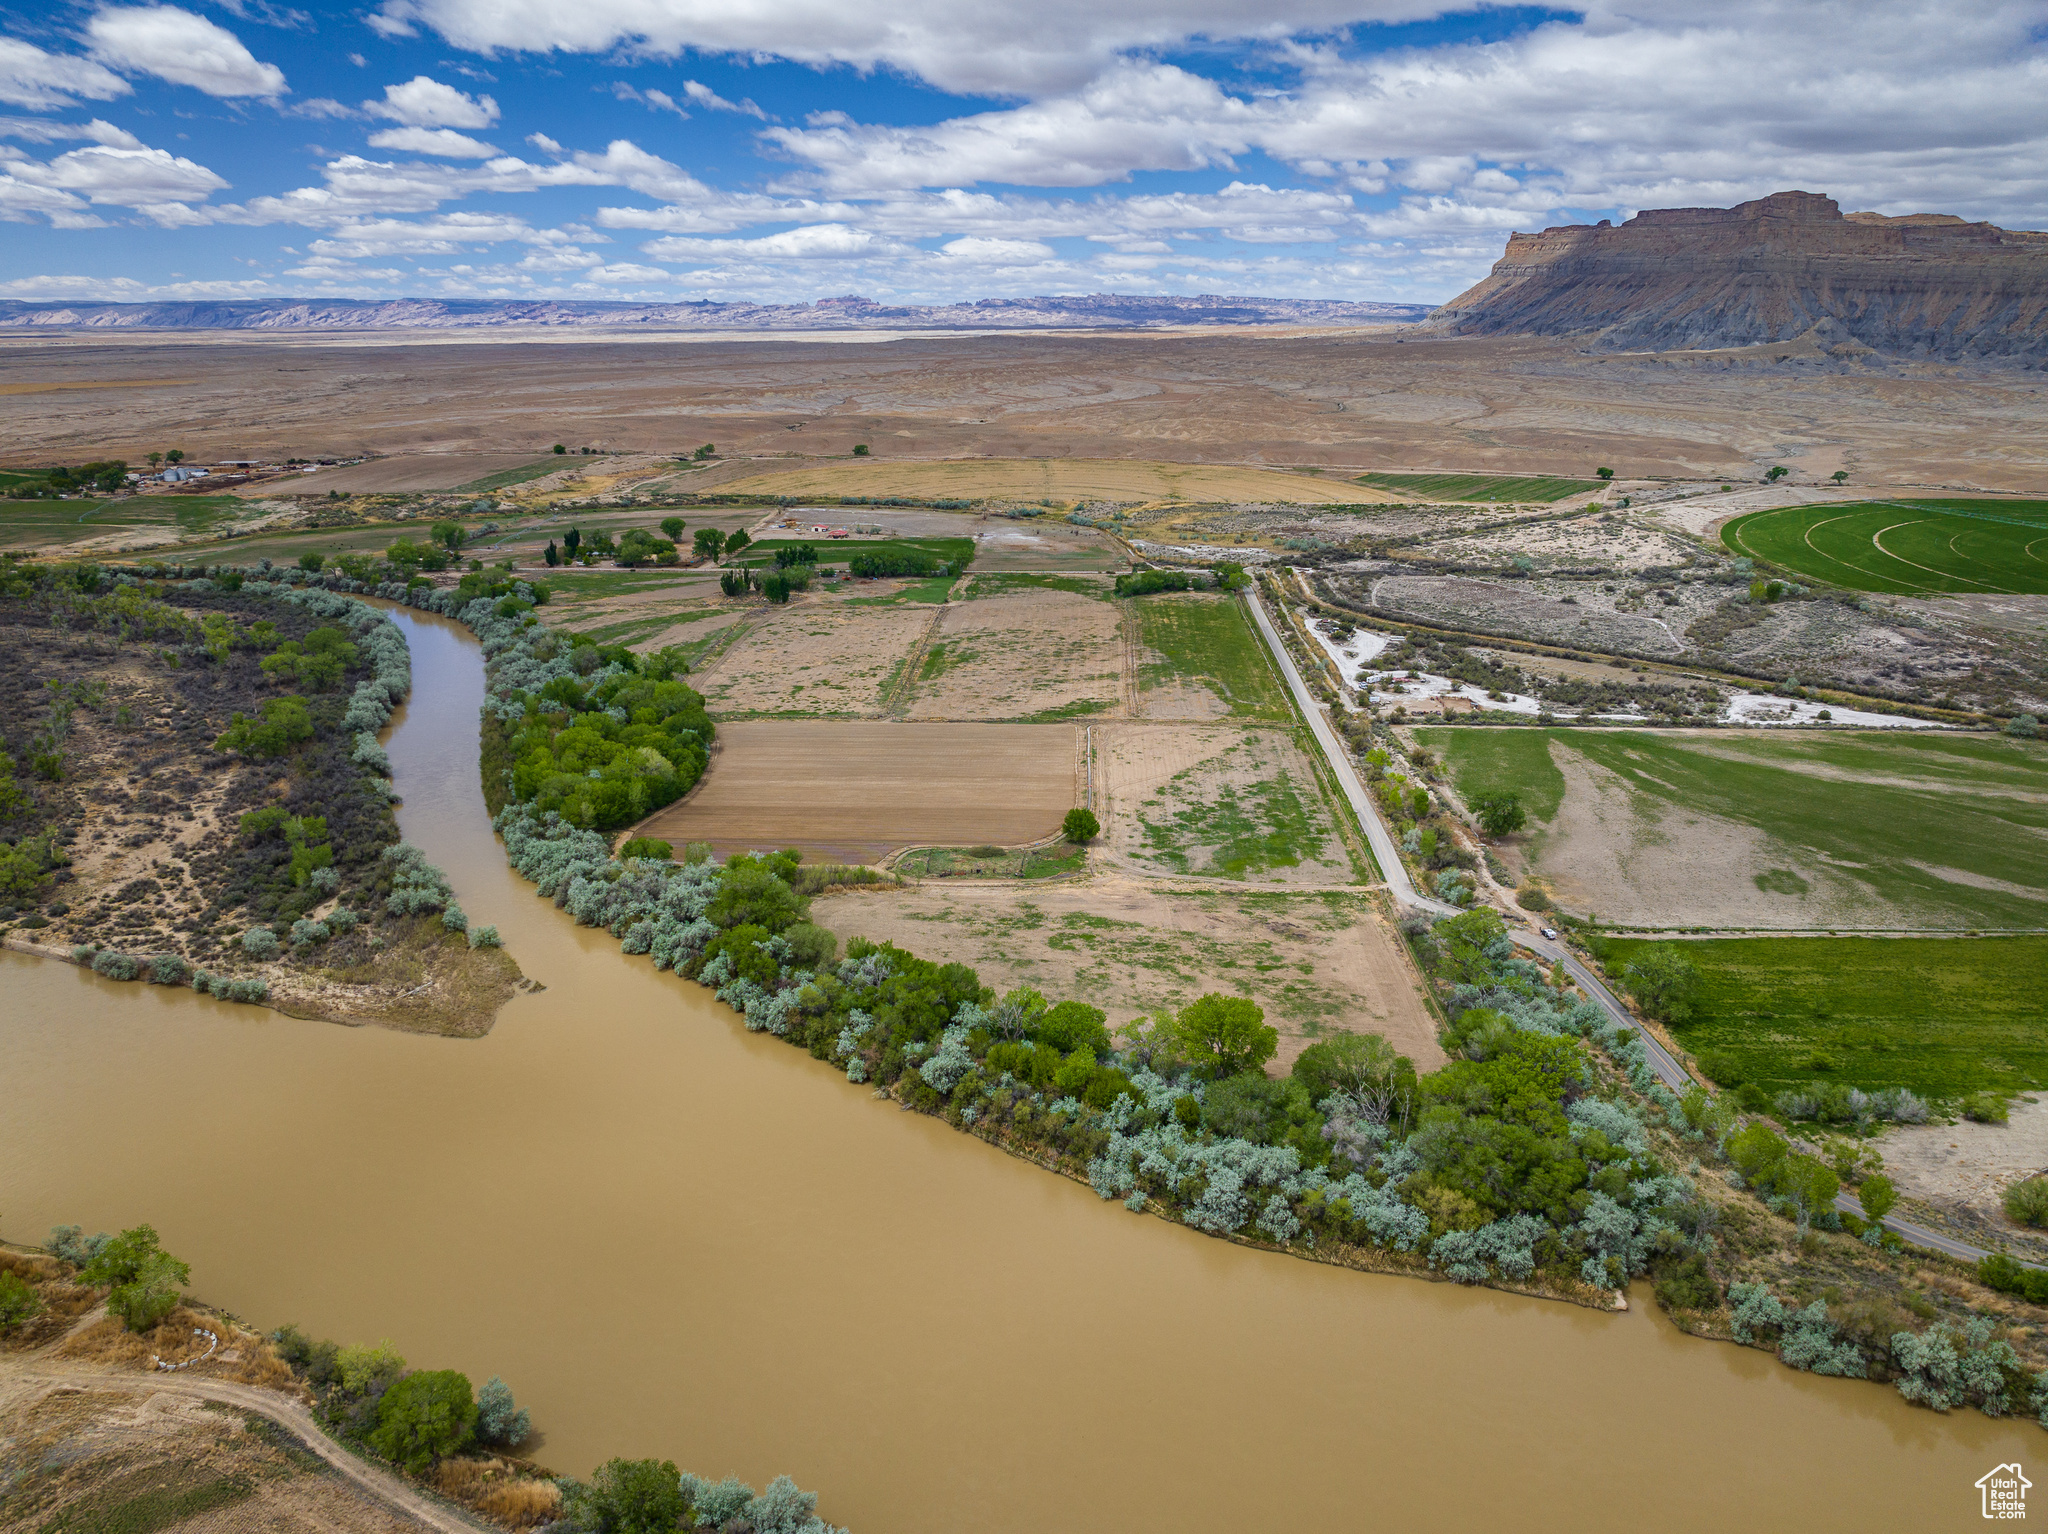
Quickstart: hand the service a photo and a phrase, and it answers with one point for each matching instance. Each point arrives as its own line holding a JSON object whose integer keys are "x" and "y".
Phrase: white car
{"x": 1551, "y": 933}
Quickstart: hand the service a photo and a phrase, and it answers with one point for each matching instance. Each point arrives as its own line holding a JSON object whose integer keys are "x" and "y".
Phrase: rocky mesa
{"x": 1784, "y": 267}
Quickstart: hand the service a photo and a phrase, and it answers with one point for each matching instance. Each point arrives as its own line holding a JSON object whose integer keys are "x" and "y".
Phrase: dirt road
{"x": 387, "y": 1488}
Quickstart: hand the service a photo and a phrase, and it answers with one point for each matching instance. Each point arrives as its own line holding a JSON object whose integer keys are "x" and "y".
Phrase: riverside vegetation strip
{"x": 1530, "y": 1162}
{"x": 193, "y": 793}
{"x": 88, "y": 1441}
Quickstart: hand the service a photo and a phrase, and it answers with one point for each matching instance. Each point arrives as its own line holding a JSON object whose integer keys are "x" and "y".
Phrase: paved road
{"x": 1662, "y": 1061}
{"x": 1383, "y": 849}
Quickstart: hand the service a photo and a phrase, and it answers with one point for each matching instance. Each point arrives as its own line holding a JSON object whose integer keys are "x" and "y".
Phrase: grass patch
{"x": 633, "y": 630}
{"x": 992, "y": 862}
{"x": 1943, "y": 1016}
{"x": 1208, "y": 640}
{"x": 1080, "y": 708}
{"x": 588, "y": 586}
{"x": 1262, "y": 826}
{"x": 839, "y": 551}
{"x": 1906, "y": 817}
{"x": 942, "y": 657}
{"x": 150, "y": 1500}
{"x": 996, "y": 585}
{"x": 510, "y": 477}
{"x": 1490, "y": 761}
{"x": 1483, "y": 487}
{"x": 1908, "y": 547}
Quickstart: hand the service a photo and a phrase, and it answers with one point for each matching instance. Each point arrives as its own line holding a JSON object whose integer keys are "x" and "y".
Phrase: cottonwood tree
{"x": 425, "y": 1417}
{"x": 147, "y": 1282}
{"x": 1664, "y": 983}
{"x": 1222, "y": 1035}
{"x": 1500, "y": 814}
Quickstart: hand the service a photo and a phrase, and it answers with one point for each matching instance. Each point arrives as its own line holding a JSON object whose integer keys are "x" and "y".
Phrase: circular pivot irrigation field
{"x": 1908, "y": 547}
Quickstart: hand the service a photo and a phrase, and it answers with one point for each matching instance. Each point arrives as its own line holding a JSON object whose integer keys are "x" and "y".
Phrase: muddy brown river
{"x": 673, "y": 1238}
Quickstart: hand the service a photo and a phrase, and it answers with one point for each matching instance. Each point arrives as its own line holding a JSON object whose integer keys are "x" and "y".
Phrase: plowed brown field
{"x": 856, "y": 790}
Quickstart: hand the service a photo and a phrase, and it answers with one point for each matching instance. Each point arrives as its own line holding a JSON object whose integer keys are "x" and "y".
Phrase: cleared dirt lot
{"x": 816, "y": 658}
{"x": 1316, "y": 963}
{"x": 1221, "y": 800}
{"x": 1007, "y": 545}
{"x": 1020, "y": 653}
{"x": 854, "y": 792}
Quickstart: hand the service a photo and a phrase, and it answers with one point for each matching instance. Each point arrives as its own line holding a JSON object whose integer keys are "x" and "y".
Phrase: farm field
{"x": 1205, "y": 661}
{"x": 1062, "y": 480}
{"x": 1218, "y": 800}
{"x": 1483, "y": 487}
{"x": 1026, "y": 653}
{"x": 430, "y": 471}
{"x": 1941, "y": 1016}
{"x": 817, "y": 658}
{"x": 838, "y": 552}
{"x": 1316, "y": 962}
{"x": 1909, "y": 548}
{"x": 1755, "y": 830}
{"x": 40, "y": 524}
{"x": 856, "y": 791}
{"x": 504, "y": 478}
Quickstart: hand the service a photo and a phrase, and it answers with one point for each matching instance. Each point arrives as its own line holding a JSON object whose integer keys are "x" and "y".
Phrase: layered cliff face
{"x": 1782, "y": 267}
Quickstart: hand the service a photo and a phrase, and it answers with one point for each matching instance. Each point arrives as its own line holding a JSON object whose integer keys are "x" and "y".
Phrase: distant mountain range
{"x": 1094, "y": 311}
{"x": 1784, "y": 267}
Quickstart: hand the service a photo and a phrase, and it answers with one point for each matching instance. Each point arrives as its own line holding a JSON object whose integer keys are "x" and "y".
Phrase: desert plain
{"x": 1380, "y": 398}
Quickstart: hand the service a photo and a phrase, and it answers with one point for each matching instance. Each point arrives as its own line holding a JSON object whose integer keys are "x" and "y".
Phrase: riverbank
{"x": 201, "y": 798}
{"x": 97, "y": 1429}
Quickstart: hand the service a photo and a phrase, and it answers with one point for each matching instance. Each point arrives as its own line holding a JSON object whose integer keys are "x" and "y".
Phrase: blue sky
{"x": 925, "y": 151}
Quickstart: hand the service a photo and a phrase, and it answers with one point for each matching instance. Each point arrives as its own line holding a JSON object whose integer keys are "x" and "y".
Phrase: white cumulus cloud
{"x": 185, "y": 49}
{"x": 442, "y": 141}
{"x": 41, "y": 81}
{"x": 423, "y": 102}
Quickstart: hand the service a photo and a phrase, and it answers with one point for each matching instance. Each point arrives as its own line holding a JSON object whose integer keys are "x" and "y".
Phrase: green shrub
{"x": 1985, "y": 1107}
{"x": 1688, "y": 1285}
{"x": 627, "y": 1496}
{"x": 363, "y": 1364}
{"x": 169, "y": 969}
{"x": 648, "y": 847}
{"x": 18, "y": 1302}
{"x": 1080, "y": 825}
{"x": 115, "y": 966}
{"x": 1530, "y": 898}
{"x": 1721, "y": 1068}
{"x": 1073, "y": 1025}
{"x": 2000, "y": 1272}
{"x": 2026, "y": 1203}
